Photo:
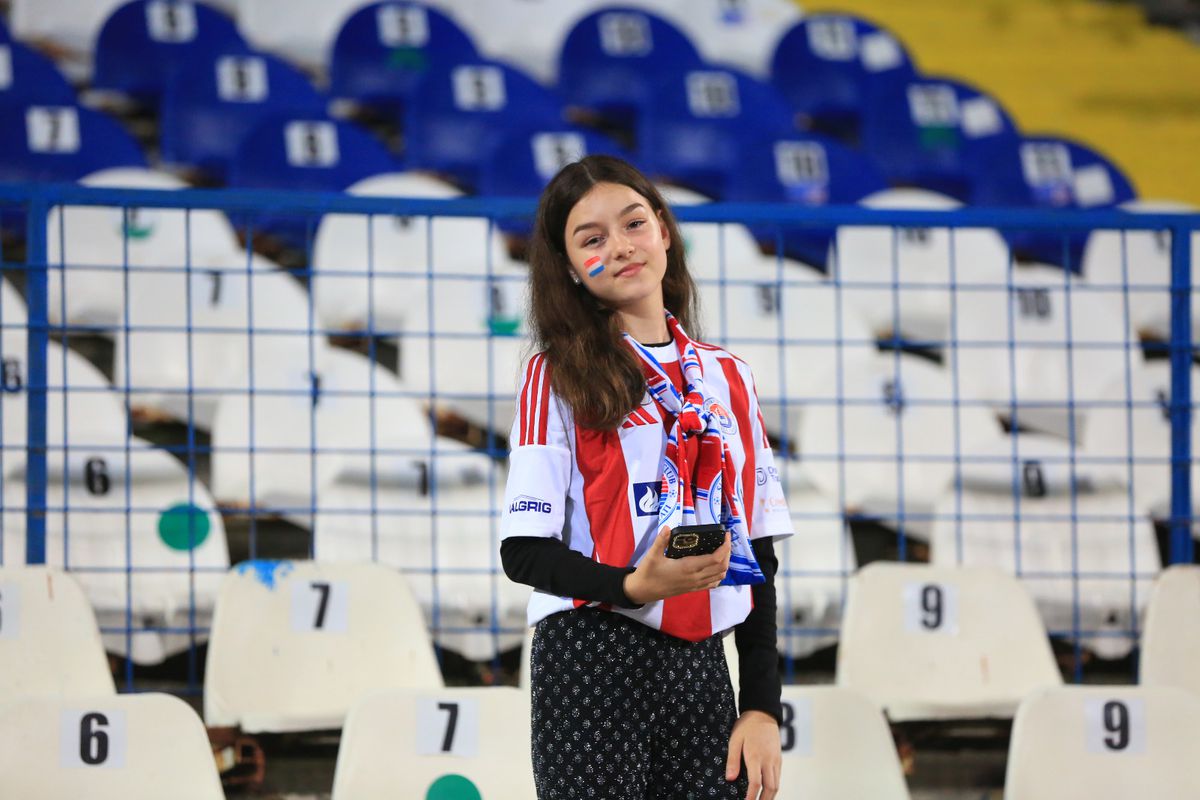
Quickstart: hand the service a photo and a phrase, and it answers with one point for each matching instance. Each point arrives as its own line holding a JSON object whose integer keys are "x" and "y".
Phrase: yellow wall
{"x": 1090, "y": 70}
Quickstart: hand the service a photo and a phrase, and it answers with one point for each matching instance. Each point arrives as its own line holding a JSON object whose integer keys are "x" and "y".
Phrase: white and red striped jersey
{"x": 598, "y": 490}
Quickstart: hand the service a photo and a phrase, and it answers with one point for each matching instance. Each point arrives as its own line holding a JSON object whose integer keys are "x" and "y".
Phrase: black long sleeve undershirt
{"x": 550, "y": 566}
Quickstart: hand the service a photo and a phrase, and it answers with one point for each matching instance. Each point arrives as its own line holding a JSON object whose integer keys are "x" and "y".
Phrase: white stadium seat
{"x": 104, "y": 747}
{"x": 1141, "y": 259}
{"x": 462, "y": 742}
{"x": 69, "y": 27}
{"x": 1013, "y": 347}
{"x": 295, "y": 644}
{"x": 837, "y": 746}
{"x": 887, "y": 445}
{"x": 926, "y": 642}
{"x": 13, "y": 375}
{"x": 49, "y": 642}
{"x": 867, "y": 260}
{"x": 1105, "y": 743}
{"x": 88, "y": 247}
{"x": 1086, "y": 554}
{"x": 1171, "y": 638}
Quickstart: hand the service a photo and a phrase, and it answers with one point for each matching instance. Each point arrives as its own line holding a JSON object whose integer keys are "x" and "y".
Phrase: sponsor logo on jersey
{"x": 761, "y": 475}
{"x": 723, "y": 417}
{"x": 532, "y": 504}
{"x": 645, "y": 498}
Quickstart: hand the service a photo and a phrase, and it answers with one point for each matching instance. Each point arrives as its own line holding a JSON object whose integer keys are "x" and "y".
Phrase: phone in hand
{"x": 695, "y": 540}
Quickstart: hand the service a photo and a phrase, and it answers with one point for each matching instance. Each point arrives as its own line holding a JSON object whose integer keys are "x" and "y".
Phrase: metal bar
{"x": 1182, "y": 549}
{"x": 36, "y": 298}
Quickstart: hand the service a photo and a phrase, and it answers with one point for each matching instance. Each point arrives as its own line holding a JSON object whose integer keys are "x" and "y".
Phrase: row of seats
{"x": 920, "y": 643}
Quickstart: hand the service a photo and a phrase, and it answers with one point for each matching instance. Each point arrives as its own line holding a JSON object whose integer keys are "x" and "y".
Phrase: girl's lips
{"x": 630, "y": 270}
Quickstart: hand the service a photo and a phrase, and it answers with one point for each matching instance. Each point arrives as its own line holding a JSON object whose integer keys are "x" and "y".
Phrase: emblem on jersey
{"x": 714, "y": 497}
{"x": 670, "y": 491}
{"x": 723, "y": 417}
{"x": 645, "y": 498}
{"x": 532, "y": 504}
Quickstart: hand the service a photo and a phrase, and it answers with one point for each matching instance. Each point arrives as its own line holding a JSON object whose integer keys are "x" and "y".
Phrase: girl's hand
{"x": 659, "y": 577}
{"x": 755, "y": 739}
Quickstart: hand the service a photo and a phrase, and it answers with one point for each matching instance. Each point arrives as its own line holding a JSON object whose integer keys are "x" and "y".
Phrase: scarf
{"x": 709, "y": 491}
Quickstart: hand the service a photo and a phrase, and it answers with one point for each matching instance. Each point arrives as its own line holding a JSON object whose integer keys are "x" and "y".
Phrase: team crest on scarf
{"x": 709, "y": 491}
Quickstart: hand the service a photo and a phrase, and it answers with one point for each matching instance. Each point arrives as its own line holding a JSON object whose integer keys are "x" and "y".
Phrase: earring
{"x": 574, "y": 278}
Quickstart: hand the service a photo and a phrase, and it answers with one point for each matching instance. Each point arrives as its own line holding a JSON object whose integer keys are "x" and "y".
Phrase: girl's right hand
{"x": 658, "y": 577}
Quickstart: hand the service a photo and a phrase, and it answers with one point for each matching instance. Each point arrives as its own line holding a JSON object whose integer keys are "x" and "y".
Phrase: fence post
{"x": 36, "y": 290}
{"x": 1181, "y": 395}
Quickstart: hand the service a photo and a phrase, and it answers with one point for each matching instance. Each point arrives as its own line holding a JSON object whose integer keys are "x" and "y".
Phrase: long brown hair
{"x": 591, "y": 368}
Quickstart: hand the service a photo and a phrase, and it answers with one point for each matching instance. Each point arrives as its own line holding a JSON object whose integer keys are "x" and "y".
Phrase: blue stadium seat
{"x": 458, "y": 115}
{"x": 145, "y": 42}
{"x": 383, "y": 50}
{"x": 214, "y": 102}
{"x": 61, "y": 143}
{"x": 827, "y": 65}
{"x": 1050, "y": 172}
{"x": 934, "y": 133}
{"x": 315, "y": 153}
{"x": 698, "y": 126}
{"x": 809, "y": 170}
{"x": 612, "y": 60}
{"x": 26, "y": 76}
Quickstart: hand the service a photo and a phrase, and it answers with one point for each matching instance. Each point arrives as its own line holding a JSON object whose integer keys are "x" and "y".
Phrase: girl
{"x": 627, "y": 428}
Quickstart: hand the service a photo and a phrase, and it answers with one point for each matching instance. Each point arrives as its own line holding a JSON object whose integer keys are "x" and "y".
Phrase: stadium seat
{"x": 929, "y": 643}
{"x": 106, "y": 748}
{"x": 867, "y": 260}
{"x": 1141, "y": 259}
{"x": 1171, "y": 638}
{"x": 881, "y": 436}
{"x": 740, "y": 33}
{"x": 295, "y": 644}
{"x": 808, "y": 170}
{"x": 837, "y": 745}
{"x": 829, "y": 66}
{"x": 48, "y": 636}
{"x": 458, "y": 115}
{"x": 1105, "y": 743}
{"x": 461, "y": 742}
{"x": 213, "y": 102}
{"x": 1043, "y": 349}
{"x": 69, "y": 27}
{"x": 384, "y": 49}
{"x": 935, "y": 133}
{"x": 1050, "y": 172}
{"x": 696, "y": 126}
{"x": 88, "y": 246}
{"x": 144, "y": 44}
{"x": 61, "y": 143}
{"x": 29, "y": 78}
{"x": 611, "y": 60}
{"x": 1062, "y": 522}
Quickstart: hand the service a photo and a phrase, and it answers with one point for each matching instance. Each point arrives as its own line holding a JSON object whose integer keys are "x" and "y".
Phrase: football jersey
{"x": 598, "y": 490}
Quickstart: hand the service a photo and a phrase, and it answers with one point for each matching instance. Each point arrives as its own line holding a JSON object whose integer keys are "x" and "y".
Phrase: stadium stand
{"x": 67, "y": 28}
{"x": 29, "y": 78}
{"x": 1171, "y": 637}
{"x": 739, "y": 33}
{"x": 61, "y": 143}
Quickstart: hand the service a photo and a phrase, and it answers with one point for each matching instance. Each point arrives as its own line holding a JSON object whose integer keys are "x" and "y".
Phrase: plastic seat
{"x": 929, "y": 264}
{"x": 295, "y": 644}
{"x": 458, "y": 116}
{"x": 741, "y": 33}
{"x": 68, "y": 26}
{"x": 384, "y": 49}
{"x": 926, "y": 643}
{"x": 144, "y": 44}
{"x": 88, "y": 246}
{"x": 212, "y": 103}
{"x": 1105, "y": 743}
{"x": 29, "y": 78}
{"x": 936, "y": 133}
{"x": 829, "y": 66}
{"x": 611, "y": 60}
{"x": 1050, "y": 172}
{"x": 1141, "y": 259}
{"x": 61, "y": 143}
{"x": 1171, "y": 638}
{"x": 1062, "y": 522}
{"x": 808, "y": 170}
{"x": 1043, "y": 349}
{"x": 889, "y": 442}
{"x": 462, "y": 742}
{"x": 837, "y": 745}
{"x": 48, "y": 636}
{"x": 106, "y": 748}
{"x": 696, "y": 126}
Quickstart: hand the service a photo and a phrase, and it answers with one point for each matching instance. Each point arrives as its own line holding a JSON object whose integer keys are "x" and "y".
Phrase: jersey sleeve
{"x": 770, "y": 516}
{"x": 539, "y": 464}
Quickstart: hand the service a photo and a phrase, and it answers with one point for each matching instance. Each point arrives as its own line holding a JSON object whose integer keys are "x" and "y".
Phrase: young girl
{"x": 626, "y": 429}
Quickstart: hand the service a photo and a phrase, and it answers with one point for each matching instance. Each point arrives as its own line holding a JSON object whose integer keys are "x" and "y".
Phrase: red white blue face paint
{"x": 593, "y": 266}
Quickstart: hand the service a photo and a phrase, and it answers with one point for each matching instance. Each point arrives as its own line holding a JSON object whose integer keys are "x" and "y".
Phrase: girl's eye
{"x": 637, "y": 223}
{"x": 595, "y": 240}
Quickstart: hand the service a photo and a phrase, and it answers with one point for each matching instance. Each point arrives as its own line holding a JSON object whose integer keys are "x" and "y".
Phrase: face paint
{"x": 593, "y": 266}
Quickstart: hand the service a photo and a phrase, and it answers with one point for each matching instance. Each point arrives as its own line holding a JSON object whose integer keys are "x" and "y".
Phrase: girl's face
{"x": 617, "y": 226}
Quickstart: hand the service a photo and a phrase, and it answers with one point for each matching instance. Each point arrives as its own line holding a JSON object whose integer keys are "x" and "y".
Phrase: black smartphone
{"x": 695, "y": 540}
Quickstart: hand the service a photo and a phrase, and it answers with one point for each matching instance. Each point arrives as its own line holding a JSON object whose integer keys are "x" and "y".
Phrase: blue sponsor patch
{"x": 645, "y": 498}
{"x": 526, "y": 503}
